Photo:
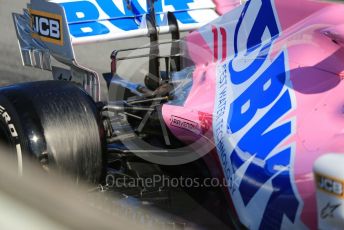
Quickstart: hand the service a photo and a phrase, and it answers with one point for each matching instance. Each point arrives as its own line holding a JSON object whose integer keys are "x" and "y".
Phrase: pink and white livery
{"x": 263, "y": 94}
{"x": 270, "y": 78}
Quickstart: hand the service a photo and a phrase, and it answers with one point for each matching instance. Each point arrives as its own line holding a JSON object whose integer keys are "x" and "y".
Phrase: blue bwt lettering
{"x": 83, "y": 11}
{"x": 83, "y": 16}
{"x": 268, "y": 133}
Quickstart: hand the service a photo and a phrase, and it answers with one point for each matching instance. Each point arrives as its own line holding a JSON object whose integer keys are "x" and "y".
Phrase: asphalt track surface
{"x": 96, "y": 57}
{"x": 11, "y": 69}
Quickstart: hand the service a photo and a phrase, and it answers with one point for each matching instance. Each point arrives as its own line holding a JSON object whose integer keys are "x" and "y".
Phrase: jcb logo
{"x": 330, "y": 185}
{"x": 47, "y": 27}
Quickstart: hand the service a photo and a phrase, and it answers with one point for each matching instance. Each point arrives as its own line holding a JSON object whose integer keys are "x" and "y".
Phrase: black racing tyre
{"x": 55, "y": 123}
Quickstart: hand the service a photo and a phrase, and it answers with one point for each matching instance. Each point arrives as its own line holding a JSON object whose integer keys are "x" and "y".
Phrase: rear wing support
{"x": 154, "y": 79}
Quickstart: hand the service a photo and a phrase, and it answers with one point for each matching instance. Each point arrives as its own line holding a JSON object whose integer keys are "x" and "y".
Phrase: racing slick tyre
{"x": 56, "y": 123}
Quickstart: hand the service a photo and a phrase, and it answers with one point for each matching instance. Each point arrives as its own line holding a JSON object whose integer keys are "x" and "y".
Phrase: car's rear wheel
{"x": 56, "y": 123}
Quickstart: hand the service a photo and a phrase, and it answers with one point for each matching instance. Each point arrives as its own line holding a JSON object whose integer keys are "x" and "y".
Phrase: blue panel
{"x": 266, "y": 134}
{"x": 256, "y": 96}
{"x": 90, "y": 14}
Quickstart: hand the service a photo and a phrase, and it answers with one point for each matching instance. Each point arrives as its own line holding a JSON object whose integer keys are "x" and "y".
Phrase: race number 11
{"x": 223, "y": 33}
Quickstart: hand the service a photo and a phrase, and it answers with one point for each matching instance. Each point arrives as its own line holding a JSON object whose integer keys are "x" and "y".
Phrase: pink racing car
{"x": 252, "y": 93}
